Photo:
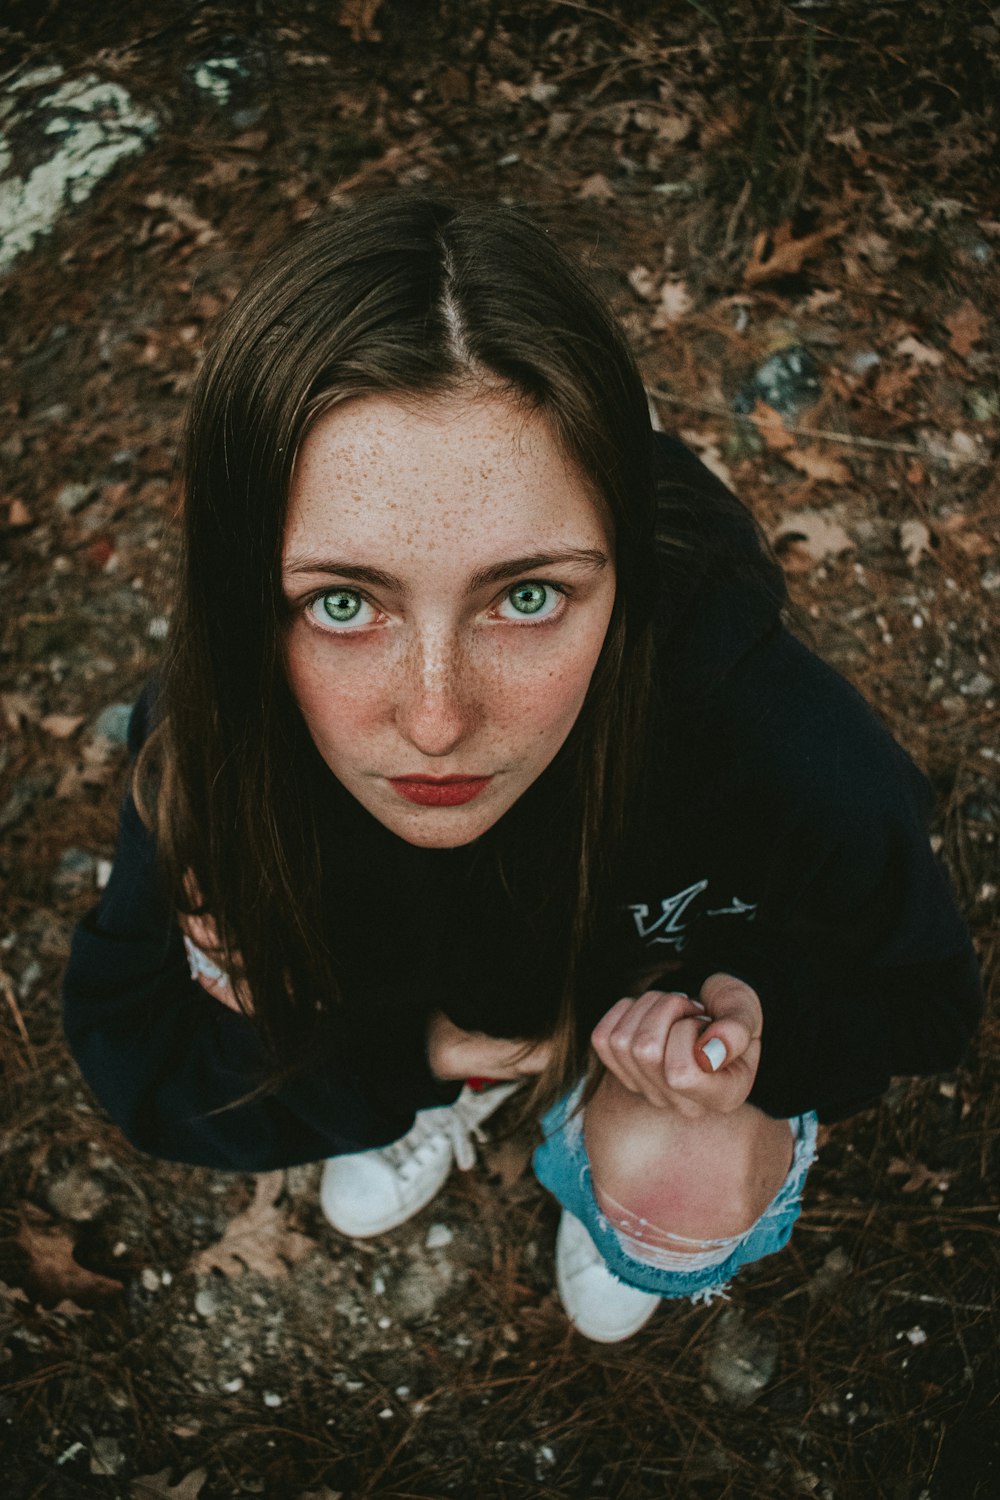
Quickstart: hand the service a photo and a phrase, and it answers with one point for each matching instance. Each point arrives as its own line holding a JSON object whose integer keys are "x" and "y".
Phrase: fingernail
{"x": 714, "y": 1052}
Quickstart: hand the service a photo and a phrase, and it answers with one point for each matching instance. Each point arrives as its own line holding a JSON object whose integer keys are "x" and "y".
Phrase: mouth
{"x": 439, "y": 791}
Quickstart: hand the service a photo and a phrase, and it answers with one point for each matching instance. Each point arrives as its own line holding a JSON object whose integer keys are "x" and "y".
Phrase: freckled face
{"x": 450, "y": 581}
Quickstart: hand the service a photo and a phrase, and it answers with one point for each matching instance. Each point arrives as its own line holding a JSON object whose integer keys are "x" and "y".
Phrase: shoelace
{"x": 455, "y": 1123}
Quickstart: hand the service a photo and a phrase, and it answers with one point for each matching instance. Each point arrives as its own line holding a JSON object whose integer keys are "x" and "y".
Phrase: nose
{"x": 436, "y": 707}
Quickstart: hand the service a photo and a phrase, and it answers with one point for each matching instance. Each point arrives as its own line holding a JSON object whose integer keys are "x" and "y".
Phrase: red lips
{"x": 439, "y": 791}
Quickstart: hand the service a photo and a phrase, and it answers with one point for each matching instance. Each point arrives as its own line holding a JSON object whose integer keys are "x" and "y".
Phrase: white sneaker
{"x": 369, "y": 1192}
{"x": 598, "y": 1305}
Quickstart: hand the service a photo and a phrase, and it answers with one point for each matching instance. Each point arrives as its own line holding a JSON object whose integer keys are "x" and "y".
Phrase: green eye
{"x": 341, "y": 611}
{"x": 341, "y": 606}
{"x": 528, "y": 598}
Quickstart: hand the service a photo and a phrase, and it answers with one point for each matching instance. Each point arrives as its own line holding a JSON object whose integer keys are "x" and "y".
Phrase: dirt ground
{"x": 794, "y": 209}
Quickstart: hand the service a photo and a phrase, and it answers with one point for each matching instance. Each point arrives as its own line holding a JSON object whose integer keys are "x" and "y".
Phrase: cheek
{"x": 336, "y": 699}
{"x": 540, "y": 699}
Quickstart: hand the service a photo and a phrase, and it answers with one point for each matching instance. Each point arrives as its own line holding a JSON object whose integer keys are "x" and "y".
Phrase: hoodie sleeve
{"x": 861, "y": 959}
{"x": 169, "y": 1063}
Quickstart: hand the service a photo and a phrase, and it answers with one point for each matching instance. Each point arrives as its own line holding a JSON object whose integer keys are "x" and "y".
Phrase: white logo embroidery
{"x": 671, "y": 927}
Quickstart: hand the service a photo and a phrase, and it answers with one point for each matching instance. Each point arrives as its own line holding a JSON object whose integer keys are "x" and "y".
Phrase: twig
{"x": 22, "y": 1030}
{"x": 940, "y": 1301}
{"x": 849, "y": 440}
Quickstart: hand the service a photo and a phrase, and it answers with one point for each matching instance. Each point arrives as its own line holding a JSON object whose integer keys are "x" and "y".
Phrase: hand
{"x": 454, "y": 1053}
{"x": 663, "y": 1046}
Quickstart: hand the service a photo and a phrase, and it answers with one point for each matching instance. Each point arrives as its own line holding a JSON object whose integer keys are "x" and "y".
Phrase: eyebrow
{"x": 587, "y": 557}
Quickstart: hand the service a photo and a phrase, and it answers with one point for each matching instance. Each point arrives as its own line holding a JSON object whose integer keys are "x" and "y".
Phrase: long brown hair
{"x": 412, "y": 294}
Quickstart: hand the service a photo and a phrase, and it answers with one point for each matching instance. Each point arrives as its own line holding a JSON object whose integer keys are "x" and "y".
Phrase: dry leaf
{"x": 778, "y": 254}
{"x": 53, "y": 1273}
{"x": 771, "y": 426}
{"x": 818, "y": 465}
{"x": 17, "y": 706}
{"x": 257, "y": 1239}
{"x": 158, "y": 1486}
{"x": 892, "y": 383}
{"x": 61, "y": 726}
{"x": 918, "y": 1175}
{"x": 965, "y": 325}
{"x": 814, "y": 533}
{"x": 915, "y": 541}
{"x": 876, "y": 249}
{"x": 921, "y": 354}
{"x": 706, "y": 445}
{"x": 359, "y": 16}
{"x": 596, "y": 186}
{"x": 643, "y": 283}
{"x": 18, "y": 514}
{"x": 675, "y": 302}
{"x": 507, "y": 1160}
{"x": 965, "y": 537}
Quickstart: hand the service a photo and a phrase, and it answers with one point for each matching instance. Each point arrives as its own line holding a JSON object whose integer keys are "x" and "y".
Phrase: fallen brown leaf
{"x": 819, "y": 535}
{"x": 258, "y": 1239}
{"x": 915, "y": 541}
{"x": 61, "y": 726}
{"x": 778, "y": 254}
{"x": 18, "y": 514}
{"x": 359, "y": 17}
{"x": 966, "y": 537}
{"x": 17, "y": 706}
{"x": 596, "y": 186}
{"x": 158, "y": 1486}
{"x": 507, "y": 1160}
{"x": 53, "y": 1274}
{"x": 771, "y": 426}
{"x": 675, "y": 302}
{"x": 921, "y": 354}
{"x": 965, "y": 325}
{"x": 818, "y": 465}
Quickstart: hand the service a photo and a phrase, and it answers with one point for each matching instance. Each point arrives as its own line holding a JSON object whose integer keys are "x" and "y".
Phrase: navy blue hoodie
{"x": 780, "y": 835}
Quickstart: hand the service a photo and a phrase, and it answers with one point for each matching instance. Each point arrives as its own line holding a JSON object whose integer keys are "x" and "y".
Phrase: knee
{"x": 707, "y": 1178}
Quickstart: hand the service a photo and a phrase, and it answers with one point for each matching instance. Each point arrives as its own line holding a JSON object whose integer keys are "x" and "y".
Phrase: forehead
{"x": 469, "y": 470}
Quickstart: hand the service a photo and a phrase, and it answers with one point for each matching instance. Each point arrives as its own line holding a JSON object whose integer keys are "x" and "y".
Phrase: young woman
{"x": 481, "y": 749}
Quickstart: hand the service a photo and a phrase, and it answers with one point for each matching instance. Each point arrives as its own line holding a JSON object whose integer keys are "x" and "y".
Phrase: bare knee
{"x": 706, "y": 1178}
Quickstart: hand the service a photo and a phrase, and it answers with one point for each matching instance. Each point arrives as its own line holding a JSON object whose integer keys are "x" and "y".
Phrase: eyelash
{"x": 559, "y": 588}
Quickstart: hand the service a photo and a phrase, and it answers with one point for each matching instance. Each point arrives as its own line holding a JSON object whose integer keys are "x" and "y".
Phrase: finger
{"x": 719, "y": 1090}
{"x": 615, "y": 1040}
{"x": 649, "y": 1049}
{"x": 728, "y": 997}
{"x": 615, "y": 1046}
{"x": 721, "y": 1043}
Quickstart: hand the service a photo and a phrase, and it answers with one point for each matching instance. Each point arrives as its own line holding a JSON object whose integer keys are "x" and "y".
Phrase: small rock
{"x": 741, "y": 1360}
{"x": 863, "y": 361}
{"x": 150, "y": 1280}
{"x": 977, "y": 686}
{"x": 207, "y": 1301}
{"x": 73, "y": 497}
{"x": 787, "y": 382}
{"x": 112, "y": 723}
{"x": 234, "y": 1385}
{"x": 271, "y": 1398}
{"x": 76, "y": 1196}
{"x": 422, "y": 1287}
{"x": 76, "y": 873}
{"x": 106, "y": 1456}
{"x": 438, "y": 1236}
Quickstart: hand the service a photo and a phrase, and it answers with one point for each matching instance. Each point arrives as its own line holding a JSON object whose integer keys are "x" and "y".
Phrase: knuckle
{"x": 647, "y": 1050}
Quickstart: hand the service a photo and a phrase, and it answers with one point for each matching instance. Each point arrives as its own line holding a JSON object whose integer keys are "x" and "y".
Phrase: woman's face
{"x": 449, "y": 578}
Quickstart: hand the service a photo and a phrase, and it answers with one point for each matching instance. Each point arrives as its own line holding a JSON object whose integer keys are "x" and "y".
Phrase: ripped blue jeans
{"x": 704, "y": 1268}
